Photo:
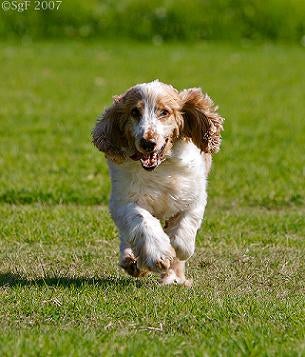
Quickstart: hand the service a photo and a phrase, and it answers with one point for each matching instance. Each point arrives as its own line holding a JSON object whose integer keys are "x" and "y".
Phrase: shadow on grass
{"x": 11, "y": 279}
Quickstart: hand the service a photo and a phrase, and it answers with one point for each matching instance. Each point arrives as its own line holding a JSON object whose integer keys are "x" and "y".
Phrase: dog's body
{"x": 175, "y": 193}
{"x": 158, "y": 210}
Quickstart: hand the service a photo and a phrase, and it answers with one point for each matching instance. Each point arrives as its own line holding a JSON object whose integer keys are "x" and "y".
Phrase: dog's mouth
{"x": 149, "y": 161}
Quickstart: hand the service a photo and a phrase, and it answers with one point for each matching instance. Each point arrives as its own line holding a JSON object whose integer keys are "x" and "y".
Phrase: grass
{"x": 61, "y": 290}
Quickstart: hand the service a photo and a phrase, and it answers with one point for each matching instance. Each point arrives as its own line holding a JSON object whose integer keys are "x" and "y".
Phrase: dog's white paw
{"x": 170, "y": 278}
{"x": 156, "y": 261}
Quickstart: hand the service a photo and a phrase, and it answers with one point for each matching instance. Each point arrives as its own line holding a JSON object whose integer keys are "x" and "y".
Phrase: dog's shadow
{"x": 10, "y": 279}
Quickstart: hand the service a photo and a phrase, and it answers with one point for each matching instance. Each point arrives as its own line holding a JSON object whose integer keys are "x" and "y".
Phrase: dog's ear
{"x": 108, "y": 135}
{"x": 201, "y": 121}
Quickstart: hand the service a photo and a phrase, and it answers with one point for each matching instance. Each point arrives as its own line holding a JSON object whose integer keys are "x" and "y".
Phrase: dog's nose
{"x": 147, "y": 145}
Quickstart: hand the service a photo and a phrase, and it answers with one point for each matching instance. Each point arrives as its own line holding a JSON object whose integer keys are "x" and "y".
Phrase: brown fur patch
{"x": 149, "y": 135}
{"x": 171, "y": 102}
{"x": 202, "y": 123}
{"x": 112, "y": 132}
{"x": 129, "y": 264}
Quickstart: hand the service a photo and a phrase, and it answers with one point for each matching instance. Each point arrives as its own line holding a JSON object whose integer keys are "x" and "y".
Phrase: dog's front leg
{"x": 142, "y": 238}
{"x": 128, "y": 260}
{"x": 182, "y": 230}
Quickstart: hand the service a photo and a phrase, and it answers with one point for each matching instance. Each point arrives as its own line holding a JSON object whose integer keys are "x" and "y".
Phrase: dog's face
{"x": 153, "y": 122}
{"x": 144, "y": 123}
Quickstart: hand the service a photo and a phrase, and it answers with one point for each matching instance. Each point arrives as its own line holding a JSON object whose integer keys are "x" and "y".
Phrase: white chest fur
{"x": 176, "y": 185}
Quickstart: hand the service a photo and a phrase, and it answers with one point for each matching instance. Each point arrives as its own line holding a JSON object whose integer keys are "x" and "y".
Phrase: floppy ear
{"x": 107, "y": 135}
{"x": 202, "y": 123}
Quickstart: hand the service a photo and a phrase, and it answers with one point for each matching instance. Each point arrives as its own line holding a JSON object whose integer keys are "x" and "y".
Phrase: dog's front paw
{"x": 157, "y": 262}
{"x": 129, "y": 264}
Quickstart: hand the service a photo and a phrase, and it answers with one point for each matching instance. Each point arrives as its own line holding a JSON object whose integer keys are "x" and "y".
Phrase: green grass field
{"x": 61, "y": 290}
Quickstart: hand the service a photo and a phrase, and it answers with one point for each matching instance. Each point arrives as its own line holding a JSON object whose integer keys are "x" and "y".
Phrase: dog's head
{"x": 144, "y": 123}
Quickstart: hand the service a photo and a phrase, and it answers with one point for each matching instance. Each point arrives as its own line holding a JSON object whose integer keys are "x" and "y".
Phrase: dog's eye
{"x": 135, "y": 112}
{"x": 164, "y": 113}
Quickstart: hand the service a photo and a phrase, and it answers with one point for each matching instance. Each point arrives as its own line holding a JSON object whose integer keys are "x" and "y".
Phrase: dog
{"x": 159, "y": 144}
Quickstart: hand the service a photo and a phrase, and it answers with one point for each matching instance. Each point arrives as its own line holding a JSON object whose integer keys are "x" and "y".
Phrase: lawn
{"x": 61, "y": 290}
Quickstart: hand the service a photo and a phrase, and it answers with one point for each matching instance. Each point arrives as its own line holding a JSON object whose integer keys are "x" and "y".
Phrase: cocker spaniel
{"x": 158, "y": 143}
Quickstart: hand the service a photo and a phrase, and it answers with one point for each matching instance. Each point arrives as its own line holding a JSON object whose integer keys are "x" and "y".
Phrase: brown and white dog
{"x": 158, "y": 143}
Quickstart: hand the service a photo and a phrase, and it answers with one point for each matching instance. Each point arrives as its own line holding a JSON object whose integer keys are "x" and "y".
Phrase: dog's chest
{"x": 164, "y": 192}
{"x": 175, "y": 186}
